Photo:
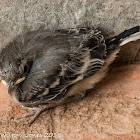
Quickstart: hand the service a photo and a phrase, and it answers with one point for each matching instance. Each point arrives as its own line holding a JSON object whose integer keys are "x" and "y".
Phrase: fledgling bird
{"x": 43, "y": 69}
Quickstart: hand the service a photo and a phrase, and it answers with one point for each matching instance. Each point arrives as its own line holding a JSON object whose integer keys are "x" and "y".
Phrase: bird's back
{"x": 62, "y": 59}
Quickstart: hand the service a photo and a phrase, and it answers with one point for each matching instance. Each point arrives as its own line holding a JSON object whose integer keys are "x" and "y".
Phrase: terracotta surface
{"x": 110, "y": 111}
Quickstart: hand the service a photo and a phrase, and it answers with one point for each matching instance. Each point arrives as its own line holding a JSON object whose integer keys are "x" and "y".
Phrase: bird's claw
{"x": 14, "y": 117}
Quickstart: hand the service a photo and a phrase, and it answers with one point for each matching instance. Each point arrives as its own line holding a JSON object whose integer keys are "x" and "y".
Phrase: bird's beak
{"x": 11, "y": 85}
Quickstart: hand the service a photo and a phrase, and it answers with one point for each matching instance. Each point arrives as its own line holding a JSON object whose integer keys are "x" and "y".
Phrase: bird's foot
{"x": 35, "y": 113}
{"x": 23, "y": 116}
{"x": 41, "y": 108}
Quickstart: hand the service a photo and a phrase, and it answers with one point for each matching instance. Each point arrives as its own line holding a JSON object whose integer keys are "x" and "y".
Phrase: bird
{"x": 43, "y": 68}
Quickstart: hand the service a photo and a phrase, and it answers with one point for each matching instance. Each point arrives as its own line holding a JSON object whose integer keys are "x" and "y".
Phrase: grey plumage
{"x": 55, "y": 63}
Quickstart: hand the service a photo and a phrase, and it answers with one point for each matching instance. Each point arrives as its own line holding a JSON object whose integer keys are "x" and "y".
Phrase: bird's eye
{"x": 3, "y": 73}
{"x": 25, "y": 69}
{"x": 27, "y": 66}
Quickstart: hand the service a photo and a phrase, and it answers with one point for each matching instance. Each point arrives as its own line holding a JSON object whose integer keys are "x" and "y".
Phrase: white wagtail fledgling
{"x": 43, "y": 69}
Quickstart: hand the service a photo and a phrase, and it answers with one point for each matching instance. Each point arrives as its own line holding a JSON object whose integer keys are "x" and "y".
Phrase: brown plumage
{"x": 43, "y": 69}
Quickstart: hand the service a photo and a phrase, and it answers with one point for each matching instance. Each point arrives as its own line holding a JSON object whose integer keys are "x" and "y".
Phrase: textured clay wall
{"x": 112, "y": 109}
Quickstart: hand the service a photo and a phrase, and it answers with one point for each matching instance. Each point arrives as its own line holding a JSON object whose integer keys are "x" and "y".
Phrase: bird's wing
{"x": 45, "y": 72}
{"x": 85, "y": 59}
{"x": 61, "y": 66}
{"x": 89, "y": 57}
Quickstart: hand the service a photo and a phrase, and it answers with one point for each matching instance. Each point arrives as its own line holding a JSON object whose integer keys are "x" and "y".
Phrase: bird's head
{"x": 13, "y": 70}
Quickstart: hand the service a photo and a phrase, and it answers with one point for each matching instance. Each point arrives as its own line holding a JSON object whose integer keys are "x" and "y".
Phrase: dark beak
{"x": 10, "y": 87}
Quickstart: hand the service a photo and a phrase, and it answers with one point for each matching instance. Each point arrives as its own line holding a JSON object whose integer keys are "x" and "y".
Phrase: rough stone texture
{"x": 110, "y": 16}
{"x": 111, "y": 110}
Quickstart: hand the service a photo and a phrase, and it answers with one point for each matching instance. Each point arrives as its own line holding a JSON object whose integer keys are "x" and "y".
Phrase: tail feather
{"x": 131, "y": 38}
{"x": 125, "y": 37}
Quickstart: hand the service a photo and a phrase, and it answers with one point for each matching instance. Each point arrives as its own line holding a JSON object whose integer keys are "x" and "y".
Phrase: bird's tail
{"x": 123, "y": 38}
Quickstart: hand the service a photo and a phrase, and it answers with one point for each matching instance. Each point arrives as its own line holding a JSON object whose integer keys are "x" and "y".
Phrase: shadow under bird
{"x": 43, "y": 69}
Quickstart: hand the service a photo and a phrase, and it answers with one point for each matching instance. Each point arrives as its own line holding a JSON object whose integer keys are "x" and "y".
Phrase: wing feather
{"x": 54, "y": 74}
